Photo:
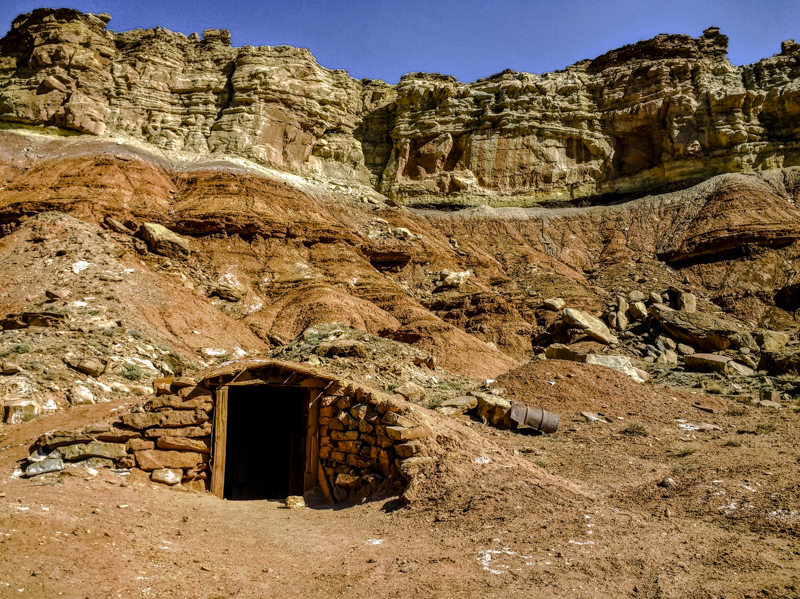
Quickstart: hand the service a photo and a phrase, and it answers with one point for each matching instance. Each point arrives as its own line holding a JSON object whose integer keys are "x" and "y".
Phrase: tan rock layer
{"x": 663, "y": 111}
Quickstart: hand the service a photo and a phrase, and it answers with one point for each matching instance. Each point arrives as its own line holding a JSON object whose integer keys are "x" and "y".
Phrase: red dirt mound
{"x": 571, "y": 387}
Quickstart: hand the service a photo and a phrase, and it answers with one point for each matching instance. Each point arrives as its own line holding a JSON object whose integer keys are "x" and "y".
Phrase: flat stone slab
{"x": 707, "y": 362}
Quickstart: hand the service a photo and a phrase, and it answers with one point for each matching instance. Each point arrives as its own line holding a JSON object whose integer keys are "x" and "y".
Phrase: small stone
{"x": 654, "y": 298}
{"x": 555, "y": 303}
{"x": 294, "y": 502}
{"x": 411, "y": 391}
{"x": 79, "y": 395}
{"x": 57, "y": 294}
{"x": 768, "y": 394}
{"x": 636, "y": 296}
{"x": 167, "y": 476}
{"x": 685, "y": 350}
{"x": 637, "y": 310}
{"x": 668, "y": 483}
{"x": 687, "y": 302}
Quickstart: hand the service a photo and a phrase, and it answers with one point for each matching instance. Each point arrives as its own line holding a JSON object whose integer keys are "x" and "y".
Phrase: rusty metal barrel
{"x": 541, "y": 420}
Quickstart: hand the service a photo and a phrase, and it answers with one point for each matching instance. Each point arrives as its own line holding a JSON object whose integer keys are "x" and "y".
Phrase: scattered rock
{"x": 162, "y": 241}
{"x": 166, "y": 476}
{"x": 294, "y": 502}
{"x": 771, "y": 341}
{"x": 707, "y": 363}
{"x": 79, "y": 395}
{"x": 411, "y": 391}
{"x": 591, "y": 325}
{"x": 91, "y": 366}
{"x": 454, "y": 279}
{"x": 556, "y": 304}
{"x": 687, "y": 302}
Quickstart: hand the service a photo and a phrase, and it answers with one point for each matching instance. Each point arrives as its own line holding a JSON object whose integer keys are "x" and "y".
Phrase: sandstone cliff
{"x": 667, "y": 111}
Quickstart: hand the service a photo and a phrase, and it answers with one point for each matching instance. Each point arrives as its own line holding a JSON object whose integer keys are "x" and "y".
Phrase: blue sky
{"x": 466, "y": 38}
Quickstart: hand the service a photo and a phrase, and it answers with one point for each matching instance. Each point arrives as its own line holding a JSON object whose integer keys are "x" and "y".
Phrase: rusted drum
{"x": 541, "y": 420}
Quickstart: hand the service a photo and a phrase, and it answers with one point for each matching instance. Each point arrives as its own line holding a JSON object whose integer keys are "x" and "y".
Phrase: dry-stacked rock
{"x": 366, "y": 439}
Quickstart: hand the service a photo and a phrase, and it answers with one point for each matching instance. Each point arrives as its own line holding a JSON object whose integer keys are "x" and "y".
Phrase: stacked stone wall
{"x": 367, "y": 439}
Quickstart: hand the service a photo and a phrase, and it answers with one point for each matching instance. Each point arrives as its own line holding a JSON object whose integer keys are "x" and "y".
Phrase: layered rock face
{"x": 667, "y": 111}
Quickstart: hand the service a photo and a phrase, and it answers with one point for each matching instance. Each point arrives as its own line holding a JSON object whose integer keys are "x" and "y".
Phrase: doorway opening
{"x": 265, "y": 443}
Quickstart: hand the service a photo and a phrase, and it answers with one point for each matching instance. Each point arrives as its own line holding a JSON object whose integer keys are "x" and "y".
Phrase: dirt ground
{"x": 579, "y": 513}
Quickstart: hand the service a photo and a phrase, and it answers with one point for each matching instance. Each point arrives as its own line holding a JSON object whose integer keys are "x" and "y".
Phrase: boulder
{"x": 401, "y": 433}
{"x": 622, "y": 321}
{"x": 699, "y": 329}
{"x": 786, "y": 361}
{"x": 162, "y": 241}
{"x": 591, "y": 325}
{"x": 295, "y": 502}
{"x": 21, "y": 409}
{"x": 621, "y": 364}
{"x": 771, "y": 341}
{"x": 684, "y": 350}
{"x": 636, "y": 296}
{"x": 228, "y": 292}
{"x": 494, "y": 410}
{"x": 735, "y": 367}
{"x": 559, "y": 351}
{"x": 461, "y": 404}
{"x": 454, "y": 279}
{"x": 347, "y": 481}
{"x": 668, "y": 357}
{"x": 707, "y": 363}
{"x": 91, "y": 366}
{"x": 10, "y": 368}
{"x": 183, "y": 444}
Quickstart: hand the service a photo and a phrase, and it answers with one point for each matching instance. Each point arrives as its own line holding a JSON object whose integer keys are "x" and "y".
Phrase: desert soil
{"x": 579, "y": 513}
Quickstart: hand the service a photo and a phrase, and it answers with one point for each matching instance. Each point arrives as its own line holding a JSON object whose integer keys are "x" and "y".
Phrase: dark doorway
{"x": 265, "y": 445}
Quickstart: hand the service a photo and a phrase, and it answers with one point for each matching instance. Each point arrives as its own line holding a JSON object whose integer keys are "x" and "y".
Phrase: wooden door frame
{"x": 309, "y": 450}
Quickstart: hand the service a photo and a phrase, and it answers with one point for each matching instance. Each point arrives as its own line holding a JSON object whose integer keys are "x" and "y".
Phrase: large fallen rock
{"x": 162, "y": 241}
{"x": 592, "y": 326}
{"x": 622, "y": 364}
{"x": 771, "y": 341}
{"x": 786, "y": 361}
{"x": 703, "y": 331}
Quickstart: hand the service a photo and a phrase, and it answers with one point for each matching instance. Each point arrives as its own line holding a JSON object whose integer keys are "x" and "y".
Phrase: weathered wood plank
{"x": 220, "y": 442}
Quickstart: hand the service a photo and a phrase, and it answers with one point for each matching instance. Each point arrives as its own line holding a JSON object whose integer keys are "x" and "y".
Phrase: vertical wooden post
{"x": 312, "y": 440}
{"x": 220, "y": 441}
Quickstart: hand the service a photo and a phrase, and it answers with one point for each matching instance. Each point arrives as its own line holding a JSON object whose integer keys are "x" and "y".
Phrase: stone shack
{"x": 255, "y": 429}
